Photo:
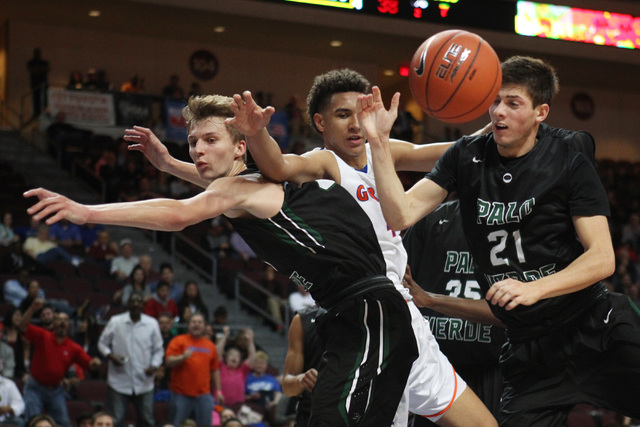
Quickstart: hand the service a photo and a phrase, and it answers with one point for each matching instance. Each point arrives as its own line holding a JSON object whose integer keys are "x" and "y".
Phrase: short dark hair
{"x": 334, "y": 81}
{"x": 40, "y": 417}
{"x": 537, "y": 76}
{"x": 161, "y": 284}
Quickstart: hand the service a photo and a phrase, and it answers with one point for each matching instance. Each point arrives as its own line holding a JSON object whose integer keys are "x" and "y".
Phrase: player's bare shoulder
{"x": 252, "y": 194}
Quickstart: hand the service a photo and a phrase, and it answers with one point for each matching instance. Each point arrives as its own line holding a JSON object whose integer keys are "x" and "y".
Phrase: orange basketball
{"x": 454, "y": 76}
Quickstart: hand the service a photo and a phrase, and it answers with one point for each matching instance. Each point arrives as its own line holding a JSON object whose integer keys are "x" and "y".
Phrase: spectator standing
{"x": 240, "y": 248}
{"x": 262, "y": 388}
{"x": 11, "y": 403}
{"x": 161, "y": 302}
{"x": 53, "y": 355}
{"x": 165, "y": 321}
{"x": 89, "y": 233}
{"x": 233, "y": 370}
{"x": 190, "y": 355}
{"x": 166, "y": 274}
{"x": 191, "y": 302}
{"x": 123, "y": 264}
{"x": 38, "y": 79}
{"x": 133, "y": 344}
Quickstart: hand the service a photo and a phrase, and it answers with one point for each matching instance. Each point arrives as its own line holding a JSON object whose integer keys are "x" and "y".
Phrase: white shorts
{"x": 433, "y": 383}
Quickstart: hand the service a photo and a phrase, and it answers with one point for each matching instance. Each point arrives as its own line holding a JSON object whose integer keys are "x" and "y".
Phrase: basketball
{"x": 455, "y": 76}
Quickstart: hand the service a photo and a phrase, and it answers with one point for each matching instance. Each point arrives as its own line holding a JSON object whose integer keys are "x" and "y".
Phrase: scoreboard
{"x": 496, "y": 15}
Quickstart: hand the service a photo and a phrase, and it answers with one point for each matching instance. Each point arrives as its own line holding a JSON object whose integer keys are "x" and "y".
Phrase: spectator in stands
{"x": 123, "y": 264}
{"x": 137, "y": 282}
{"x": 191, "y": 302}
{"x": 165, "y": 321}
{"x": 300, "y": 299}
{"x": 68, "y": 236}
{"x": 75, "y": 80}
{"x": 278, "y": 299}
{"x": 53, "y": 355}
{"x": 28, "y": 230}
{"x": 134, "y": 85}
{"x": 216, "y": 239}
{"x": 84, "y": 420}
{"x": 161, "y": 302}
{"x": 41, "y": 420}
{"x": 173, "y": 89}
{"x": 239, "y": 248}
{"x": 146, "y": 262}
{"x": 243, "y": 341}
{"x": 233, "y": 370}
{"x": 262, "y": 388}
{"x": 15, "y": 290}
{"x": 195, "y": 89}
{"x": 15, "y": 259}
{"x": 190, "y": 355}
{"x": 102, "y": 419}
{"x": 33, "y": 291}
{"x": 89, "y": 233}
{"x": 166, "y": 274}
{"x": 232, "y": 422}
{"x": 103, "y": 250}
{"x": 7, "y": 234}
{"x": 13, "y": 337}
{"x": 46, "y": 314}
{"x": 133, "y": 344}
{"x": 44, "y": 250}
{"x": 7, "y": 360}
{"x": 227, "y": 414}
{"x": 87, "y": 334}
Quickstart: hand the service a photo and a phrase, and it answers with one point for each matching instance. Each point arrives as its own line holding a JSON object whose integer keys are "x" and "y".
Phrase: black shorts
{"x": 370, "y": 347}
{"x": 594, "y": 360}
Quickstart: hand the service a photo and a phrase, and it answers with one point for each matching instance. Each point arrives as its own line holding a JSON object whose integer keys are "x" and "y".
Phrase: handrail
{"x": 256, "y": 286}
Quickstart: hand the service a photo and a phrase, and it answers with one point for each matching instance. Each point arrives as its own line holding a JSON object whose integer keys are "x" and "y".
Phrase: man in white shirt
{"x": 122, "y": 265}
{"x": 133, "y": 344}
{"x": 11, "y": 403}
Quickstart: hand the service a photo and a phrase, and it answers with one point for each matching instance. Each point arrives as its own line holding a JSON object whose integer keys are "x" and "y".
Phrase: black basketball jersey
{"x": 321, "y": 239}
{"x": 517, "y": 216}
{"x": 441, "y": 263}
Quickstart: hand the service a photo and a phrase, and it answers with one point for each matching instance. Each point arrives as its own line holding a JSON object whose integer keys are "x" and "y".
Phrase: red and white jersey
{"x": 362, "y": 186}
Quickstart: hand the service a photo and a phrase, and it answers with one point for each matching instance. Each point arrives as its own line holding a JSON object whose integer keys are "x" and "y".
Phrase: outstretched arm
{"x": 251, "y": 120}
{"x": 400, "y": 209}
{"x": 145, "y": 141}
{"x": 464, "y": 308}
{"x": 223, "y": 195}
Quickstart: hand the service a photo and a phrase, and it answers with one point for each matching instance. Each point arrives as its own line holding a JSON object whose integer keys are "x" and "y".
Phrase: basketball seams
{"x": 433, "y": 63}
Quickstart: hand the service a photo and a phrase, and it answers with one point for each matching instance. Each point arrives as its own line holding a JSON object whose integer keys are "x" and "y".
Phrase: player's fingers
{"x": 395, "y": 102}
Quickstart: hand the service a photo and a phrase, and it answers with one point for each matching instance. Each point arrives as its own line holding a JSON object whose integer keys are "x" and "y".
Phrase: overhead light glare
{"x": 335, "y": 43}
{"x": 94, "y": 13}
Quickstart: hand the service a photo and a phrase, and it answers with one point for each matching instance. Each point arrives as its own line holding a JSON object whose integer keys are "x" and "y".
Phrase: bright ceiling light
{"x": 335, "y": 43}
{"x": 94, "y": 13}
